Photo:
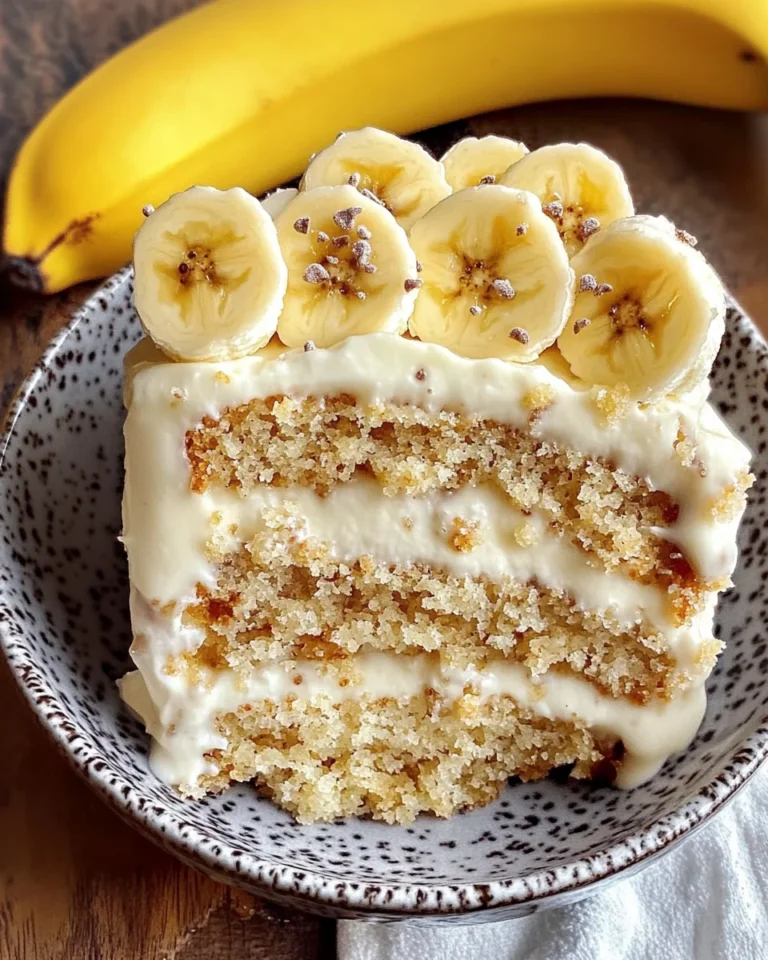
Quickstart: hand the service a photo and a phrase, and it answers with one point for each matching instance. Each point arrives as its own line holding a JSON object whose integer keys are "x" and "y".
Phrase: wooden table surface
{"x": 75, "y": 882}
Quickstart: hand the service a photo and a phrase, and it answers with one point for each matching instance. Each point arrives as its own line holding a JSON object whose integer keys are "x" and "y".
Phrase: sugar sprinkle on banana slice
{"x": 480, "y": 160}
{"x": 490, "y": 288}
{"x": 398, "y": 173}
{"x": 209, "y": 278}
{"x": 351, "y": 269}
{"x": 650, "y": 313}
{"x": 581, "y": 189}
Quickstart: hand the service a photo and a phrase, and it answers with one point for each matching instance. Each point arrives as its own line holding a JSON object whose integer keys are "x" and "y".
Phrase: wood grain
{"x": 75, "y": 882}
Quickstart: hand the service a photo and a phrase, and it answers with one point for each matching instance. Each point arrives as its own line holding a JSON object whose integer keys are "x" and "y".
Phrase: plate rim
{"x": 310, "y": 886}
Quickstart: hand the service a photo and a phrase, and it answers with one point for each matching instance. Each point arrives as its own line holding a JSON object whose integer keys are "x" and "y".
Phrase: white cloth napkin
{"x": 707, "y": 900}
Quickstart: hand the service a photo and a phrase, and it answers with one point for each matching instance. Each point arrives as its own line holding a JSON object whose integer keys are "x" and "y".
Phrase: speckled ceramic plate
{"x": 63, "y": 604}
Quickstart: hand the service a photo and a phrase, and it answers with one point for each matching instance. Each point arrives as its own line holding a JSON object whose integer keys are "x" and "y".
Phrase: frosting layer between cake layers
{"x": 167, "y": 527}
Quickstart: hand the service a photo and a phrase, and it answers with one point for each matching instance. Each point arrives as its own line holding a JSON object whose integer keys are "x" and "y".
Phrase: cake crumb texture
{"x": 392, "y": 760}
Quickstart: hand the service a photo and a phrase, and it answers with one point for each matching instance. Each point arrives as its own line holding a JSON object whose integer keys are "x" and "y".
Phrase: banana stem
{"x": 23, "y": 272}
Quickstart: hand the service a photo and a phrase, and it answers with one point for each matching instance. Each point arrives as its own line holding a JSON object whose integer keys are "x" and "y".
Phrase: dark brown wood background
{"x": 75, "y": 882}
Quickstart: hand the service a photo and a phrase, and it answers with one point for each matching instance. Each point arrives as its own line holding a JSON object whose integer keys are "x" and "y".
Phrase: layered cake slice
{"x": 380, "y": 573}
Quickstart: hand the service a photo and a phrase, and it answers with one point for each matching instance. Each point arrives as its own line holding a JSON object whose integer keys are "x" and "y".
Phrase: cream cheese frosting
{"x": 182, "y": 719}
{"x": 356, "y": 519}
{"x": 166, "y": 527}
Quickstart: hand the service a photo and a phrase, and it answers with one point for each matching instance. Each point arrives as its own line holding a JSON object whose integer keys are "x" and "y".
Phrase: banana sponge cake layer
{"x": 395, "y": 759}
{"x": 554, "y": 552}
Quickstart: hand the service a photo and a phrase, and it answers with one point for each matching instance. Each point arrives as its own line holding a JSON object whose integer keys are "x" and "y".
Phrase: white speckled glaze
{"x": 64, "y": 628}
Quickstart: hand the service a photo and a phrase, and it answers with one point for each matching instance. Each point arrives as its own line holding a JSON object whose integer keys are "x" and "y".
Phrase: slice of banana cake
{"x": 411, "y": 513}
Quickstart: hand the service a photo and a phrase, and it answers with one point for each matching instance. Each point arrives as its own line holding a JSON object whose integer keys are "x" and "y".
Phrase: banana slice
{"x": 497, "y": 282}
{"x": 209, "y": 278}
{"x": 350, "y": 268}
{"x": 401, "y": 174}
{"x": 274, "y": 203}
{"x": 472, "y": 161}
{"x": 557, "y": 365}
{"x": 581, "y": 189}
{"x": 649, "y": 310}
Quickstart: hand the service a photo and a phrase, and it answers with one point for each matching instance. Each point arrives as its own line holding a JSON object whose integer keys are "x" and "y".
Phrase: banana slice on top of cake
{"x": 379, "y": 573}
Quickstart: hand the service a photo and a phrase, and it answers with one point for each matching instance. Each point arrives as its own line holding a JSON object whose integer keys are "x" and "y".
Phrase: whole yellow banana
{"x": 243, "y": 91}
